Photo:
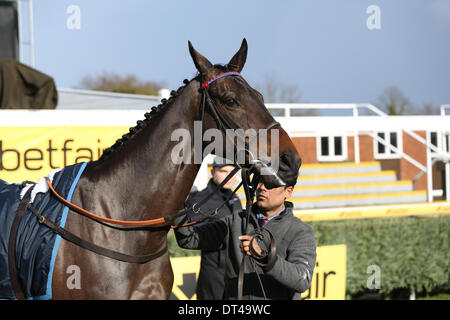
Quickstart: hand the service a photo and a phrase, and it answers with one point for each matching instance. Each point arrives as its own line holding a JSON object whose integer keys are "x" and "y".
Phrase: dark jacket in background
{"x": 22, "y": 87}
{"x": 211, "y": 280}
{"x": 293, "y": 269}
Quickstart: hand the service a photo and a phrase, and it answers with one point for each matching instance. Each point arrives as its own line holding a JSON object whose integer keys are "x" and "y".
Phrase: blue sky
{"x": 324, "y": 46}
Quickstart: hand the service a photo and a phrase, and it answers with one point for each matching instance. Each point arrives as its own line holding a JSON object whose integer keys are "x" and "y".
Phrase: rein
{"x": 67, "y": 235}
{"x": 257, "y": 234}
{"x": 141, "y": 223}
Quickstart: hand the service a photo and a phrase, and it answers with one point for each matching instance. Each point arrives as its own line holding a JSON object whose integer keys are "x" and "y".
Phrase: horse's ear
{"x": 237, "y": 62}
{"x": 201, "y": 63}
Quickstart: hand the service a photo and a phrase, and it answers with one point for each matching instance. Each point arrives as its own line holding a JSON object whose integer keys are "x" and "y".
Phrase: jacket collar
{"x": 288, "y": 208}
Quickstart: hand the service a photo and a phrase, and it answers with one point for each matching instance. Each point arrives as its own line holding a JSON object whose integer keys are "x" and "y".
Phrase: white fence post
{"x": 356, "y": 137}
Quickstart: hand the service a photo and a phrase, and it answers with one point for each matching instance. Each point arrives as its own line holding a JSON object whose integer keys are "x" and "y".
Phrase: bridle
{"x": 224, "y": 124}
{"x": 249, "y": 186}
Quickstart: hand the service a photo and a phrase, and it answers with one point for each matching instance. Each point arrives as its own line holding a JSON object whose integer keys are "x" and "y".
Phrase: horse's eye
{"x": 231, "y": 102}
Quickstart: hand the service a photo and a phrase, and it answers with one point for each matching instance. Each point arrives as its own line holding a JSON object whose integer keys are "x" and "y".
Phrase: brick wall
{"x": 351, "y": 149}
{"x": 306, "y": 147}
{"x": 418, "y": 152}
{"x": 366, "y": 148}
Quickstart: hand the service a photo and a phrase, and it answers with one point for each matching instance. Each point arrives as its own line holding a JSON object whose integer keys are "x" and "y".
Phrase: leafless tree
{"x": 394, "y": 102}
{"x": 117, "y": 83}
{"x": 276, "y": 91}
{"x": 429, "y": 109}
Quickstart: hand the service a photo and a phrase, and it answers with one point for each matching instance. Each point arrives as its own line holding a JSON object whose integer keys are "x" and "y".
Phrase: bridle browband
{"x": 206, "y": 84}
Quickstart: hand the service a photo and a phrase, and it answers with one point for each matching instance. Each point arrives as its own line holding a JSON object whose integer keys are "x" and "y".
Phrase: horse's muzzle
{"x": 283, "y": 173}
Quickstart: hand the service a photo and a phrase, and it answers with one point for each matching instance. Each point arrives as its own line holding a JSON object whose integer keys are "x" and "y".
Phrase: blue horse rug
{"x": 36, "y": 245}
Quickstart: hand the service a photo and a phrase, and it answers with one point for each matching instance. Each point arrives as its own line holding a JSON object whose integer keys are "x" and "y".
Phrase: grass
{"x": 438, "y": 296}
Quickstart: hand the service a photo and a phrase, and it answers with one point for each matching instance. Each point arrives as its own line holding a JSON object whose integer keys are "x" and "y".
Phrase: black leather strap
{"x": 270, "y": 255}
{"x": 195, "y": 207}
{"x": 266, "y": 259}
{"x": 93, "y": 247}
{"x": 13, "y": 272}
{"x": 248, "y": 205}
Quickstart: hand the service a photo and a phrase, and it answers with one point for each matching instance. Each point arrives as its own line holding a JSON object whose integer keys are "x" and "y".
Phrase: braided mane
{"x": 141, "y": 124}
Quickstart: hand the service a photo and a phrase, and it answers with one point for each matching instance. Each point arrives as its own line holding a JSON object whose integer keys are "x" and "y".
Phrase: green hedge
{"x": 175, "y": 250}
{"x": 411, "y": 252}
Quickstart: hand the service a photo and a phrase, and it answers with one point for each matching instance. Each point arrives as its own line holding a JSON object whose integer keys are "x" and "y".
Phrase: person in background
{"x": 210, "y": 283}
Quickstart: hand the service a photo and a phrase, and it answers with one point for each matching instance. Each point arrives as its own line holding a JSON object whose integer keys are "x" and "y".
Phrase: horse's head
{"x": 231, "y": 105}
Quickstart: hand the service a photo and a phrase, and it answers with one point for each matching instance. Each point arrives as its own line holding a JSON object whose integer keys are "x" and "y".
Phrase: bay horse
{"x": 135, "y": 179}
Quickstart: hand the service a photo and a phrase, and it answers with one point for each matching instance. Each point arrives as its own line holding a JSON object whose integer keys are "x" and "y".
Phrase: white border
{"x": 81, "y": 118}
{"x": 388, "y": 150}
{"x": 441, "y": 143}
{"x": 332, "y": 156}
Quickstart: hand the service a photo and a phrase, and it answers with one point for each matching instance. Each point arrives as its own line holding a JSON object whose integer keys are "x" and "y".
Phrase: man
{"x": 292, "y": 271}
{"x": 211, "y": 279}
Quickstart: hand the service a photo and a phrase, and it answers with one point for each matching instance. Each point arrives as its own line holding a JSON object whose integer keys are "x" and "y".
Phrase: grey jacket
{"x": 296, "y": 253}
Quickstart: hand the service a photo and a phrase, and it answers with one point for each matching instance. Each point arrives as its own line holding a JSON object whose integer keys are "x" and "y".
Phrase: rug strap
{"x": 13, "y": 272}
{"x": 65, "y": 234}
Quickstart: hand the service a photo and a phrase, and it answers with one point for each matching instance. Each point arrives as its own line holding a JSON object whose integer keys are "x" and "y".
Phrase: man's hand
{"x": 245, "y": 245}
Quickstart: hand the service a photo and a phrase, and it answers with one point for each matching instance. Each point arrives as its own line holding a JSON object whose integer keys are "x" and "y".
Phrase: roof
{"x": 90, "y": 99}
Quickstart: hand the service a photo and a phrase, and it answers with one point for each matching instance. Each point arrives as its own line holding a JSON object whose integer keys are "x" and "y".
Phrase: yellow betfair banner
{"x": 30, "y": 153}
{"x": 328, "y": 282}
{"x": 185, "y": 271}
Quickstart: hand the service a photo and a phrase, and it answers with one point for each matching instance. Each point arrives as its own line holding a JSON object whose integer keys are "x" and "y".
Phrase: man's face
{"x": 272, "y": 199}
{"x": 220, "y": 173}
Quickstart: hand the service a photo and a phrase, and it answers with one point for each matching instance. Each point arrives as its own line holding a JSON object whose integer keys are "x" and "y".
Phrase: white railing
{"x": 360, "y": 120}
{"x": 447, "y": 163}
{"x": 291, "y": 111}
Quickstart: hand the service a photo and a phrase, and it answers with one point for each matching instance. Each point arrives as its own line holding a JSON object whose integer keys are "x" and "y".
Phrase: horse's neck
{"x": 144, "y": 181}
